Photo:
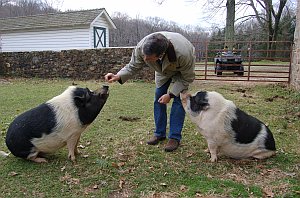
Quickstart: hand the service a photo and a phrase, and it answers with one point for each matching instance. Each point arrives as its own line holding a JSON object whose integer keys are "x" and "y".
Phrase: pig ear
{"x": 201, "y": 100}
{"x": 80, "y": 101}
{"x": 83, "y": 98}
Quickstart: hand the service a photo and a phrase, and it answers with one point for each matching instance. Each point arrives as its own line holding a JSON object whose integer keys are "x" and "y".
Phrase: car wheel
{"x": 217, "y": 70}
{"x": 241, "y": 72}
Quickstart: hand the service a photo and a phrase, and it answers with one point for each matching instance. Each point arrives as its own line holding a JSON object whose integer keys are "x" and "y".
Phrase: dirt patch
{"x": 130, "y": 119}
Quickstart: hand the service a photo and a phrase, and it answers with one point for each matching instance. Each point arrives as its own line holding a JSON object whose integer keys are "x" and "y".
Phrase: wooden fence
{"x": 248, "y": 61}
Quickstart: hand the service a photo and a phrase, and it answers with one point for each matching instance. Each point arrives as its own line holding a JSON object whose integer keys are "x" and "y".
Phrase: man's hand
{"x": 110, "y": 77}
{"x": 164, "y": 99}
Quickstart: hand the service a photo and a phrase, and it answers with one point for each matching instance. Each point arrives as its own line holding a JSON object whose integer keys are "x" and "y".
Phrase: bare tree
{"x": 268, "y": 13}
{"x": 229, "y": 28}
{"x": 131, "y": 31}
{"x": 13, "y": 8}
{"x": 270, "y": 19}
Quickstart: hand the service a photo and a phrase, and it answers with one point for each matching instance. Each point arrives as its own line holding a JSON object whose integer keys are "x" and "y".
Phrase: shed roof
{"x": 53, "y": 20}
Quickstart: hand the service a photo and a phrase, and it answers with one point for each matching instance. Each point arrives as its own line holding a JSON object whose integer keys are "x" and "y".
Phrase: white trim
{"x": 111, "y": 23}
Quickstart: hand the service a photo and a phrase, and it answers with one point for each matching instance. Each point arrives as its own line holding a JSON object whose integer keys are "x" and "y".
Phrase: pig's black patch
{"x": 269, "y": 141}
{"x": 28, "y": 125}
{"x": 199, "y": 101}
{"x": 247, "y": 127}
{"x": 89, "y": 104}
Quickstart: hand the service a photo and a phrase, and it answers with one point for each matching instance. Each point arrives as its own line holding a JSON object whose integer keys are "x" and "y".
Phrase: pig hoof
{"x": 213, "y": 159}
{"x": 72, "y": 158}
{"x": 39, "y": 160}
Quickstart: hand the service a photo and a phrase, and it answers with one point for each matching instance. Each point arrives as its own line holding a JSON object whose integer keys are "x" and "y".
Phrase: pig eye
{"x": 88, "y": 90}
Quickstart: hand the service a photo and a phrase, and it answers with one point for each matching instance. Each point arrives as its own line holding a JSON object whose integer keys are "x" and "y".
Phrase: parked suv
{"x": 228, "y": 60}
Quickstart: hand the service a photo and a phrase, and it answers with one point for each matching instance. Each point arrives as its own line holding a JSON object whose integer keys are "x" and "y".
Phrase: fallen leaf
{"x": 75, "y": 181}
{"x": 121, "y": 183}
{"x": 268, "y": 192}
{"x": 63, "y": 168}
{"x": 189, "y": 155}
{"x": 183, "y": 188}
{"x": 209, "y": 175}
{"x": 95, "y": 186}
{"x": 68, "y": 179}
{"x": 3, "y": 154}
{"x": 115, "y": 165}
{"x": 13, "y": 173}
{"x": 121, "y": 164}
{"x": 65, "y": 178}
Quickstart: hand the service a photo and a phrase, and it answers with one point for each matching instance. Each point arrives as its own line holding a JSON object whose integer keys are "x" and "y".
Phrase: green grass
{"x": 115, "y": 160}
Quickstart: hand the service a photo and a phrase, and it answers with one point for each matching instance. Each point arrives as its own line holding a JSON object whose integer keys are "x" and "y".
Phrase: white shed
{"x": 86, "y": 29}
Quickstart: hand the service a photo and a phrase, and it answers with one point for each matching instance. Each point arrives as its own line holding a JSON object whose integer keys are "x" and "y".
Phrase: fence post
{"x": 291, "y": 60}
{"x": 249, "y": 60}
{"x": 206, "y": 57}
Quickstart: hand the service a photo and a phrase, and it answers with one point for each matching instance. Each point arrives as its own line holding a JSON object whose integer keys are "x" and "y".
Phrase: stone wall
{"x": 295, "y": 74}
{"x": 74, "y": 64}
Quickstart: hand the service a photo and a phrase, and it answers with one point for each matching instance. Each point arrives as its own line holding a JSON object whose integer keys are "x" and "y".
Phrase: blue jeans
{"x": 177, "y": 115}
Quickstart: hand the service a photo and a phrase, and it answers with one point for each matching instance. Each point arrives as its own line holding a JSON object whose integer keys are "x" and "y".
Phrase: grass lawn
{"x": 115, "y": 160}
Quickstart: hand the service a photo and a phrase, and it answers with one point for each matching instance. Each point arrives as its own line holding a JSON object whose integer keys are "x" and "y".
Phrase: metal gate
{"x": 257, "y": 61}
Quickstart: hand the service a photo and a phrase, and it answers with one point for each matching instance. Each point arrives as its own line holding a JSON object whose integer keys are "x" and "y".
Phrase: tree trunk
{"x": 229, "y": 29}
{"x": 295, "y": 70}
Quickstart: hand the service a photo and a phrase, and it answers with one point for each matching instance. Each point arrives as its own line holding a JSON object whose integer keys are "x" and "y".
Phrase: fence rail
{"x": 260, "y": 61}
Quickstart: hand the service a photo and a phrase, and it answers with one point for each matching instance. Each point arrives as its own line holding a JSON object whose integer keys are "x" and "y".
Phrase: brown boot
{"x": 171, "y": 145}
{"x": 155, "y": 140}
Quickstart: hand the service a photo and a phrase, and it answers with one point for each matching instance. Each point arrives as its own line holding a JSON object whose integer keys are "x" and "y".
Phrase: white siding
{"x": 46, "y": 40}
{"x": 62, "y": 38}
{"x": 100, "y": 22}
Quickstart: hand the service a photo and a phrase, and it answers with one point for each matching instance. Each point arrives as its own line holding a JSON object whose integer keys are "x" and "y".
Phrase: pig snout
{"x": 103, "y": 90}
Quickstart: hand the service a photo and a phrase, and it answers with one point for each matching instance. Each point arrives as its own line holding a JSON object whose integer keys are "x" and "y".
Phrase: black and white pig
{"x": 227, "y": 129}
{"x": 56, "y": 123}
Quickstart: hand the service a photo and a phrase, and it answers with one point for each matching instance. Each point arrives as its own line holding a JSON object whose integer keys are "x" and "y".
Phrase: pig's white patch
{"x": 68, "y": 125}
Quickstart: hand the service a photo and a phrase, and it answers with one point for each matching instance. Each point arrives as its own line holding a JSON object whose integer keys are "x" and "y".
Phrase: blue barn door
{"x": 99, "y": 37}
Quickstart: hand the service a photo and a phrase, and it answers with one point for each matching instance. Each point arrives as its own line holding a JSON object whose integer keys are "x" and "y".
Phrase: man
{"x": 172, "y": 57}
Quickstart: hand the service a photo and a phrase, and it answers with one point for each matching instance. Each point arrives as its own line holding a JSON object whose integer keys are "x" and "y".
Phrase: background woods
{"x": 265, "y": 21}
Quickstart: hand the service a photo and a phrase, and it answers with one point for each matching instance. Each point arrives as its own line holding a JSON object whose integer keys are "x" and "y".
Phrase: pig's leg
{"x": 213, "y": 149}
{"x": 262, "y": 154}
{"x": 34, "y": 157}
{"x": 39, "y": 160}
{"x": 72, "y": 145}
{"x": 76, "y": 151}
